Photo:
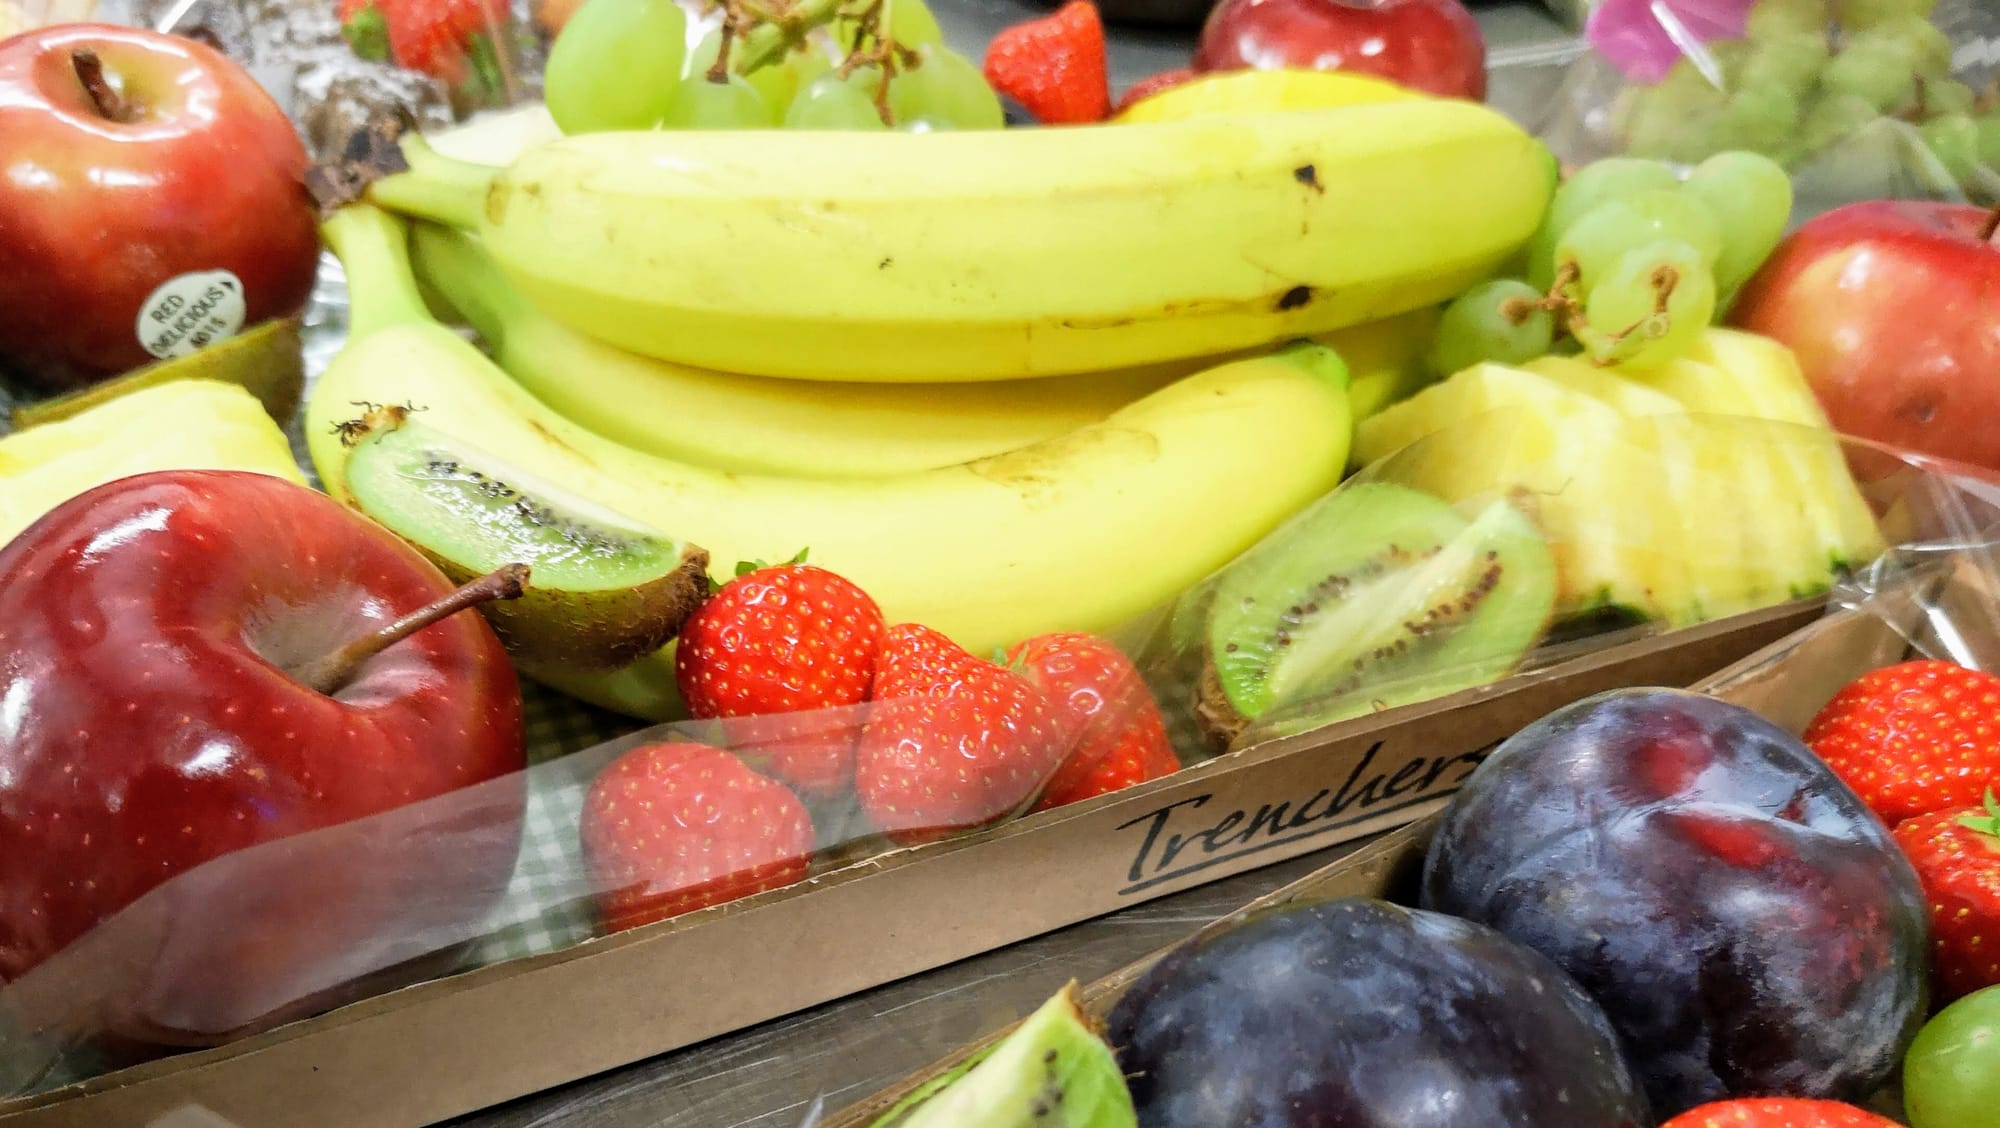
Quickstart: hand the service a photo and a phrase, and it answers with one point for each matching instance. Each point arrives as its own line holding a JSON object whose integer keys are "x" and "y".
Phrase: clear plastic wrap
{"x": 1860, "y": 101}
{"x": 1520, "y": 571}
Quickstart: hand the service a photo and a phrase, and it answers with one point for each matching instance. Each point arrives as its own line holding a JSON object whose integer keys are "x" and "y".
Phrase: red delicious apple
{"x": 194, "y": 663}
{"x": 1894, "y": 311}
{"x": 1430, "y": 45}
{"x": 152, "y": 199}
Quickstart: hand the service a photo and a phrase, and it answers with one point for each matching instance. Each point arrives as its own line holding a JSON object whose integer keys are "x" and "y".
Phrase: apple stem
{"x": 110, "y": 105}
{"x": 1992, "y": 227}
{"x": 331, "y": 674}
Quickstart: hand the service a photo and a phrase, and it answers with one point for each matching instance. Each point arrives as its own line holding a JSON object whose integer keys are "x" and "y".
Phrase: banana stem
{"x": 373, "y": 248}
{"x": 438, "y": 188}
{"x": 461, "y": 271}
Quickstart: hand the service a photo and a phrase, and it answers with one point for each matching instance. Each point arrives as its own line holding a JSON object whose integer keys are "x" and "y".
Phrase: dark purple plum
{"x": 1362, "y": 1014}
{"x": 1745, "y": 921}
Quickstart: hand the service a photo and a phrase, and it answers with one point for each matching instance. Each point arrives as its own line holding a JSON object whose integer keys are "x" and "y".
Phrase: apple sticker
{"x": 191, "y": 311}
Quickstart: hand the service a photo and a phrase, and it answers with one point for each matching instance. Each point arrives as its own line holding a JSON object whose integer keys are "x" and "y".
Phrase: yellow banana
{"x": 817, "y": 429}
{"x": 1263, "y": 91}
{"x": 985, "y": 255}
{"x": 755, "y": 424}
{"x": 1082, "y": 532}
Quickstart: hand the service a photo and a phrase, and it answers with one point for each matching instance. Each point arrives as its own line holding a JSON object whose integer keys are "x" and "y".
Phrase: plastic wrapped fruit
{"x": 1745, "y": 921}
{"x": 1366, "y": 1014}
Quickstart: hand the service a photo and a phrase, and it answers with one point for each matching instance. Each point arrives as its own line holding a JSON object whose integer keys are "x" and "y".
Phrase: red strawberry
{"x": 1104, "y": 713}
{"x": 1054, "y": 66}
{"x": 1779, "y": 1112}
{"x": 1147, "y": 87}
{"x": 1957, "y": 855}
{"x": 952, "y": 741}
{"x": 784, "y": 639}
{"x": 457, "y": 41}
{"x": 1913, "y": 738}
{"x": 671, "y": 828}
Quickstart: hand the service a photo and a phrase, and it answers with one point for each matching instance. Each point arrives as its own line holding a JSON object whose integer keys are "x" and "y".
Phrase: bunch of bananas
{"x": 1008, "y": 382}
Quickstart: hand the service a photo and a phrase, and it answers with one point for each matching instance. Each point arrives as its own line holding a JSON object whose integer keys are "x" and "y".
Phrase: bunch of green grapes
{"x": 1809, "y": 74}
{"x": 624, "y": 64}
{"x": 1631, "y": 265}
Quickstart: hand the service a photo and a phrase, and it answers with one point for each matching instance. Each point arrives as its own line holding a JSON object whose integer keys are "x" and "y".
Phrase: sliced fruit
{"x": 1054, "y": 1068}
{"x": 1381, "y": 596}
{"x": 264, "y": 360}
{"x": 1769, "y": 376}
{"x": 183, "y": 425}
{"x": 604, "y": 590}
{"x": 1563, "y": 457}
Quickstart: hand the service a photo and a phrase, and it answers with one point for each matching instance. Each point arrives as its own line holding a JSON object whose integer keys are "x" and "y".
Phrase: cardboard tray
{"x": 451, "y": 1046}
{"x": 1953, "y": 611}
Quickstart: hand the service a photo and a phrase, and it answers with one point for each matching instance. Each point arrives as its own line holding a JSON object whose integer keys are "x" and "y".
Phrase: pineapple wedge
{"x": 184, "y": 425}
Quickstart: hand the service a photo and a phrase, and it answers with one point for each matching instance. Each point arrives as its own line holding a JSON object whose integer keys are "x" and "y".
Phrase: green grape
{"x": 911, "y": 23}
{"x": 1593, "y": 184}
{"x": 1791, "y": 63}
{"x": 615, "y": 65}
{"x": 921, "y": 124}
{"x": 1751, "y": 199}
{"x": 948, "y": 87}
{"x": 1855, "y": 15}
{"x": 777, "y": 82}
{"x": 1921, "y": 45}
{"x": 833, "y": 102}
{"x": 1836, "y": 118}
{"x": 1596, "y": 242}
{"x": 1954, "y": 140}
{"x": 1625, "y": 322}
{"x": 1877, "y": 72}
{"x": 703, "y": 56}
{"x": 1496, "y": 322}
{"x": 731, "y": 104}
{"x": 1760, "y": 119}
{"x": 1656, "y": 120}
{"x": 908, "y": 22}
{"x": 1949, "y": 97}
{"x": 1775, "y": 19}
{"x": 1989, "y": 142}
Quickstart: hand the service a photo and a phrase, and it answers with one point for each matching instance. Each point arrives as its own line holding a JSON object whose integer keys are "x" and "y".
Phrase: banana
{"x": 1082, "y": 532}
{"x": 754, "y": 424}
{"x": 815, "y": 429}
{"x": 991, "y": 255}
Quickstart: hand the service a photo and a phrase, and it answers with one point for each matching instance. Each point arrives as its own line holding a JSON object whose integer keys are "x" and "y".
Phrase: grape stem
{"x": 1665, "y": 279}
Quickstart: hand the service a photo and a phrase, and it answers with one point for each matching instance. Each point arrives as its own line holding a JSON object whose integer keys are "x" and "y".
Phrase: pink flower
{"x": 1645, "y": 38}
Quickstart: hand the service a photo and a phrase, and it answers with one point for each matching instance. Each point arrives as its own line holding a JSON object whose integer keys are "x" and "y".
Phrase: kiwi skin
{"x": 553, "y": 627}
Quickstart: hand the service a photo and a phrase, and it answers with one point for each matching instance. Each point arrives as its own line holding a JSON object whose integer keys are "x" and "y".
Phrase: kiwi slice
{"x": 266, "y": 360}
{"x": 603, "y": 591}
{"x": 1381, "y": 596}
{"x": 1052, "y": 1069}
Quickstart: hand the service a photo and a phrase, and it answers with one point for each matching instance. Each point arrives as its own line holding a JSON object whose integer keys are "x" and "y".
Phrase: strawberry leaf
{"x": 367, "y": 32}
{"x": 1987, "y": 823}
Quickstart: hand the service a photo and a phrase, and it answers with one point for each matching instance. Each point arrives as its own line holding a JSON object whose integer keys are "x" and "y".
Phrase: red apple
{"x": 152, "y": 199}
{"x": 194, "y": 663}
{"x": 1894, "y": 311}
{"x": 1430, "y": 45}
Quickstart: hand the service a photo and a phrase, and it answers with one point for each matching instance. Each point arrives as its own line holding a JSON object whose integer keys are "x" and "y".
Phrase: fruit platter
{"x": 1749, "y": 942}
{"x": 519, "y": 509}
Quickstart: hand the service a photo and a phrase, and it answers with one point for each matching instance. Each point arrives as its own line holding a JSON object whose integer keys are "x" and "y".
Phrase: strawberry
{"x": 1147, "y": 87}
{"x": 952, "y": 741}
{"x": 455, "y": 41}
{"x": 1104, "y": 715}
{"x": 1054, "y": 66}
{"x": 671, "y": 828}
{"x": 785, "y": 639}
{"x": 1779, "y": 1112}
{"x": 1957, "y": 856}
{"x": 1913, "y": 738}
